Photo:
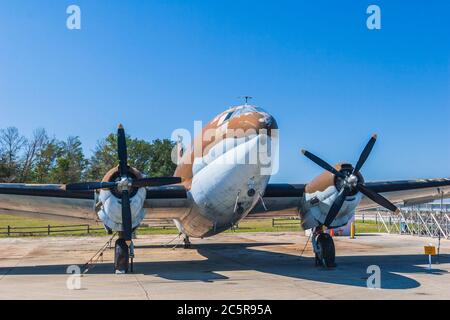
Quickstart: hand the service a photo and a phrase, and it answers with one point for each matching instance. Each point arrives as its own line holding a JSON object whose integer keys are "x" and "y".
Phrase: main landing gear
{"x": 324, "y": 249}
{"x": 187, "y": 242}
{"x": 123, "y": 256}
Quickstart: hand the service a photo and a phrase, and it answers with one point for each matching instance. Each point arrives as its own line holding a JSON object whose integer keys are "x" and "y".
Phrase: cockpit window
{"x": 240, "y": 111}
{"x": 228, "y": 116}
{"x": 247, "y": 109}
{"x": 225, "y": 118}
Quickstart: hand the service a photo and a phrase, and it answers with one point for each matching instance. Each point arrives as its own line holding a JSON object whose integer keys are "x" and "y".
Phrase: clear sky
{"x": 159, "y": 65}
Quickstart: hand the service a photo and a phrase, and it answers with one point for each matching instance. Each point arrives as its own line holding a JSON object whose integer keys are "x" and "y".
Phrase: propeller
{"x": 350, "y": 182}
{"x": 124, "y": 184}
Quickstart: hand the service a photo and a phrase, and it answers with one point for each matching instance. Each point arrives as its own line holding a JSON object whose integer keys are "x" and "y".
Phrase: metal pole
{"x": 439, "y": 248}
{"x": 376, "y": 219}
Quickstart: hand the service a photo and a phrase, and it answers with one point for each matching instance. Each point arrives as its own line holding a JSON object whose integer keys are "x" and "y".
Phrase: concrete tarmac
{"x": 227, "y": 266}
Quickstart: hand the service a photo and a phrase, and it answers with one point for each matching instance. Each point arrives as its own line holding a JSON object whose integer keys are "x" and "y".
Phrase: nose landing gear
{"x": 324, "y": 249}
{"x": 123, "y": 256}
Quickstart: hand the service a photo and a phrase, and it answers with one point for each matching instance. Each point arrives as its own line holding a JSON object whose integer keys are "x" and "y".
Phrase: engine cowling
{"x": 111, "y": 209}
{"x": 339, "y": 190}
{"x": 321, "y": 193}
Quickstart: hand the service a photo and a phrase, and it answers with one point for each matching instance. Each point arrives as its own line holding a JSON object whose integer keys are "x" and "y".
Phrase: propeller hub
{"x": 124, "y": 183}
{"x": 351, "y": 181}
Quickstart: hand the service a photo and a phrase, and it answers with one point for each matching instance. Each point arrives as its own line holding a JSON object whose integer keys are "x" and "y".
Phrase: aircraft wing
{"x": 408, "y": 192}
{"x": 279, "y": 200}
{"x": 53, "y": 201}
{"x": 283, "y": 199}
{"x": 169, "y": 202}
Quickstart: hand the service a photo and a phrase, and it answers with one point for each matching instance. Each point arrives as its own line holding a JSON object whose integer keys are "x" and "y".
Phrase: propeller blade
{"x": 86, "y": 186}
{"x": 154, "y": 182}
{"x": 378, "y": 198}
{"x": 365, "y": 153}
{"x": 323, "y": 164}
{"x": 126, "y": 216}
{"x": 122, "y": 151}
{"x": 335, "y": 207}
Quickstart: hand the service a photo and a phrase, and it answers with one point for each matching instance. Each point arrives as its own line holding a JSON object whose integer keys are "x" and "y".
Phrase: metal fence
{"x": 413, "y": 221}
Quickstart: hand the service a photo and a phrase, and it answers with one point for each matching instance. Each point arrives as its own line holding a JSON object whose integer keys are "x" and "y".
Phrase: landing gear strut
{"x": 324, "y": 249}
{"x": 123, "y": 256}
{"x": 187, "y": 242}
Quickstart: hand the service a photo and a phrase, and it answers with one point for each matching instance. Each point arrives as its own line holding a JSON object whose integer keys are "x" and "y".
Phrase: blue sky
{"x": 159, "y": 65}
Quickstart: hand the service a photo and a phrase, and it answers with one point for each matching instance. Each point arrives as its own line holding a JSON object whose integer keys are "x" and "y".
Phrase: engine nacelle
{"x": 111, "y": 209}
{"x": 320, "y": 195}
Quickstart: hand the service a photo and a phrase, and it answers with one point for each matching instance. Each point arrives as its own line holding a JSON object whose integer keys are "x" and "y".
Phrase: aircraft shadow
{"x": 351, "y": 270}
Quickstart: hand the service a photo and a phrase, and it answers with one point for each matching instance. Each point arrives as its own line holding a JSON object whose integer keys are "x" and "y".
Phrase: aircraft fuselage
{"x": 226, "y": 170}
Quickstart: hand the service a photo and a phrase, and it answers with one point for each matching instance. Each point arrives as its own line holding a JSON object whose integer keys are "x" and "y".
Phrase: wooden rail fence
{"x": 286, "y": 222}
{"x": 47, "y": 230}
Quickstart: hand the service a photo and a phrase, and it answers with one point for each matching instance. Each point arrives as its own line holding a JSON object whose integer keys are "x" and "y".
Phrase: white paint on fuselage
{"x": 217, "y": 151}
{"x": 225, "y": 181}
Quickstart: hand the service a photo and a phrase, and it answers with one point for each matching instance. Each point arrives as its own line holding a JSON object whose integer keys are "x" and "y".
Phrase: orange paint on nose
{"x": 236, "y": 122}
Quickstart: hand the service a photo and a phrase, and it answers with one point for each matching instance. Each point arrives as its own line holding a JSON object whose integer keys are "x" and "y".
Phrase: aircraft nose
{"x": 267, "y": 121}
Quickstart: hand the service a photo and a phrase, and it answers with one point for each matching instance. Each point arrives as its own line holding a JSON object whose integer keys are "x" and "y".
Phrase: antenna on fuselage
{"x": 246, "y": 99}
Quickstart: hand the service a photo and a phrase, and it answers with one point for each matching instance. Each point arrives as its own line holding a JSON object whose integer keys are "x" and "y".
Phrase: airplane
{"x": 215, "y": 186}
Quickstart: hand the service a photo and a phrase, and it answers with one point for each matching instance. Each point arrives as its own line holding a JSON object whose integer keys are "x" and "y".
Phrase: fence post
{"x": 9, "y": 231}
{"x": 48, "y": 229}
{"x": 273, "y": 222}
{"x": 88, "y": 229}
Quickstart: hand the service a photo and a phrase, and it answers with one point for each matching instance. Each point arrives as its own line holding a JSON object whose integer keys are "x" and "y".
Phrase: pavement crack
{"x": 142, "y": 287}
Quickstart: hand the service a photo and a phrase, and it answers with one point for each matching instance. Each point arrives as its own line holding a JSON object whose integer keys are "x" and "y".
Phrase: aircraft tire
{"x": 327, "y": 254}
{"x": 121, "y": 256}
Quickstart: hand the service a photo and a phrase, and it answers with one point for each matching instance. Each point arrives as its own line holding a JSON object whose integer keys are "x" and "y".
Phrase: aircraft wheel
{"x": 121, "y": 256}
{"x": 327, "y": 253}
{"x": 187, "y": 242}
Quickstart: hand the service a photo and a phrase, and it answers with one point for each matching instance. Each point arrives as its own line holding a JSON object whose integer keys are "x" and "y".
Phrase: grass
{"x": 265, "y": 225}
{"x": 38, "y": 224}
{"x": 247, "y": 225}
{"x": 366, "y": 227}
{"x": 18, "y": 221}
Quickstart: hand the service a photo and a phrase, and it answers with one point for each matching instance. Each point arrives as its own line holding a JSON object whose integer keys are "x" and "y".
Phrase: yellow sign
{"x": 430, "y": 250}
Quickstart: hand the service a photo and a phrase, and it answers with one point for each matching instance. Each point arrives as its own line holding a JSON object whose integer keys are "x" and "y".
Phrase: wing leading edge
{"x": 52, "y": 200}
{"x": 408, "y": 192}
{"x": 283, "y": 199}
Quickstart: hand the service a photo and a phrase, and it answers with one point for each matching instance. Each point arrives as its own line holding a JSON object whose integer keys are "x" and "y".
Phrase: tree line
{"x": 44, "y": 159}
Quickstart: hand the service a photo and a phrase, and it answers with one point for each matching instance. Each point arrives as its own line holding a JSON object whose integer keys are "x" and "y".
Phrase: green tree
{"x": 70, "y": 162}
{"x": 161, "y": 163}
{"x": 151, "y": 159}
{"x": 45, "y": 162}
{"x": 104, "y": 158}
